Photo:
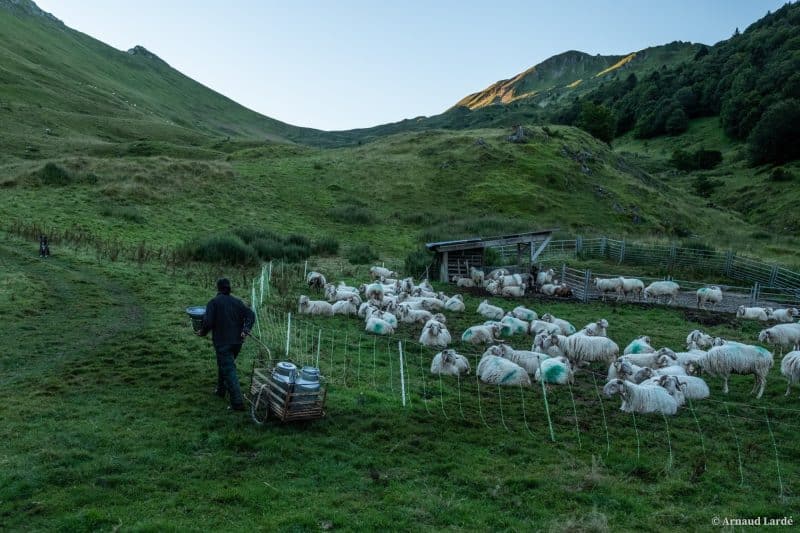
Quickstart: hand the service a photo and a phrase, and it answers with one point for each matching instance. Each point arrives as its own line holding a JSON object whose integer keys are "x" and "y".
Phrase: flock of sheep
{"x": 647, "y": 380}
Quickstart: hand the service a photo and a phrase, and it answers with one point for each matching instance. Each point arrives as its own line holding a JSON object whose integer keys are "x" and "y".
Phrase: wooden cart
{"x": 271, "y": 398}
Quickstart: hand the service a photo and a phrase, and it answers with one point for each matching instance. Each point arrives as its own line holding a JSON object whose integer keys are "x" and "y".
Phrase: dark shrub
{"x": 325, "y": 246}
{"x": 126, "y": 212}
{"x": 268, "y": 249}
{"x": 299, "y": 240}
{"x": 361, "y": 254}
{"x": 705, "y": 187}
{"x": 249, "y": 235}
{"x": 699, "y": 160}
{"x": 417, "y": 262}
{"x": 225, "y": 249}
{"x": 351, "y": 214}
{"x": 774, "y": 139}
{"x": 52, "y": 174}
{"x": 780, "y": 174}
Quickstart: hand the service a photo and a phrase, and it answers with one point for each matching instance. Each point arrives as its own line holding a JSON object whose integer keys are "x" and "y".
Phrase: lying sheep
{"x": 650, "y": 359}
{"x": 596, "y": 329}
{"x": 660, "y": 289}
{"x": 490, "y": 311}
{"x": 464, "y": 282}
{"x": 481, "y": 334}
{"x": 693, "y": 388}
{"x": 374, "y": 292}
{"x": 514, "y": 291}
{"x": 345, "y": 307}
{"x": 523, "y": 313}
{"x": 435, "y": 334}
{"x": 455, "y": 304}
{"x": 513, "y": 326}
{"x": 511, "y": 280}
{"x": 499, "y": 371}
{"x": 542, "y": 344}
{"x": 540, "y": 326}
{"x": 712, "y": 295}
{"x": 334, "y": 294}
{"x": 605, "y": 286}
{"x": 622, "y": 369}
{"x": 314, "y": 307}
{"x": 449, "y": 363}
{"x": 411, "y": 316}
{"x": 498, "y": 273}
{"x": 315, "y": 280}
{"x": 548, "y": 289}
{"x": 631, "y": 286}
{"x": 753, "y": 313}
{"x": 785, "y": 315}
{"x": 526, "y": 359}
{"x": 699, "y": 339}
{"x": 378, "y": 326}
{"x": 735, "y": 358}
{"x": 783, "y": 335}
{"x": 641, "y": 398}
{"x": 790, "y": 368}
{"x": 562, "y": 291}
{"x": 377, "y": 272}
{"x": 555, "y": 370}
{"x": 565, "y": 327}
{"x": 385, "y": 316}
{"x": 586, "y": 349}
{"x": 639, "y": 345}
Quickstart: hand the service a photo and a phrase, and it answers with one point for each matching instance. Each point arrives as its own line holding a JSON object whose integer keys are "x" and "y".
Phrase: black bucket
{"x": 196, "y": 313}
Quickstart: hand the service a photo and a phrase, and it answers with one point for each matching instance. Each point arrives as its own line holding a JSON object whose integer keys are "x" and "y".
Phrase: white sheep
{"x": 378, "y": 326}
{"x": 374, "y": 292}
{"x": 523, "y": 313}
{"x": 528, "y": 360}
{"x": 698, "y": 357}
{"x": 639, "y": 345}
{"x": 435, "y": 334}
{"x": 514, "y": 291}
{"x": 336, "y": 295}
{"x": 540, "y": 326}
{"x": 411, "y": 316}
{"x": 477, "y": 276}
{"x": 449, "y": 363}
{"x": 315, "y": 280}
{"x": 542, "y": 343}
{"x": 784, "y": 315}
{"x": 498, "y": 273}
{"x": 314, "y": 307}
{"x": 455, "y": 304}
{"x": 490, "y": 311}
{"x": 342, "y": 286}
{"x": 649, "y": 359}
{"x": 632, "y": 286}
{"x": 622, "y": 369}
{"x": 345, "y": 307}
{"x": 753, "y": 313}
{"x": 790, "y": 367}
{"x": 711, "y": 295}
{"x": 432, "y": 303}
{"x": 605, "y": 286}
{"x": 385, "y": 316}
{"x": 499, "y": 371}
{"x": 481, "y": 334}
{"x": 596, "y": 329}
{"x": 659, "y": 289}
{"x": 545, "y": 277}
{"x": 783, "y": 335}
{"x": 513, "y": 326}
{"x": 377, "y": 272}
{"x": 642, "y": 398}
{"x": 699, "y": 340}
{"x": 565, "y": 327}
{"x": 556, "y": 370}
{"x": 464, "y": 282}
{"x": 693, "y": 388}
{"x": 549, "y": 289}
{"x": 494, "y": 287}
{"x": 584, "y": 348}
{"x": 735, "y": 358}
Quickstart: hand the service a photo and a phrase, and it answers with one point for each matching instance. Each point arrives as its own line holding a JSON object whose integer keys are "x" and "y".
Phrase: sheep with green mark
{"x": 712, "y": 295}
{"x": 490, "y": 311}
{"x": 523, "y": 313}
{"x": 495, "y": 370}
{"x": 526, "y": 359}
{"x": 555, "y": 370}
{"x": 483, "y": 334}
{"x": 378, "y": 326}
{"x": 639, "y": 345}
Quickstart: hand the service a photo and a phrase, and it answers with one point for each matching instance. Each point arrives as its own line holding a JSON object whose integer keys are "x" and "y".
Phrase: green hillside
{"x": 62, "y": 91}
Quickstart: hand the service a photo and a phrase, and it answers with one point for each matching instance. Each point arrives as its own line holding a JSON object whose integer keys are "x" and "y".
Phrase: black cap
{"x": 224, "y": 285}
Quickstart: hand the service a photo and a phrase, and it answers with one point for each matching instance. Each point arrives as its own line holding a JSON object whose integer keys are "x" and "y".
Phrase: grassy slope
{"x": 414, "y": 186}
{"x": 745, "y": 190}
{"x": 108, "y": 422}
{"x": 85, "y": 91}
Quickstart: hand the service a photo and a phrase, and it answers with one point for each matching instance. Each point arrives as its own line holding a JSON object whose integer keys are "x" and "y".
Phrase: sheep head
{"x": 615, "y": 386}
{"x": 547, "y": 317}
{"x": 643, "y": 374}
{"x": 666, "y": 352}
{"x": 664, "y": 361}
{"x": 693, "y": 369}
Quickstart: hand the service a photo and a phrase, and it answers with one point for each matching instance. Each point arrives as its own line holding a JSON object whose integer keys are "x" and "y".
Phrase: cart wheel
{"x": 256, "y": 405}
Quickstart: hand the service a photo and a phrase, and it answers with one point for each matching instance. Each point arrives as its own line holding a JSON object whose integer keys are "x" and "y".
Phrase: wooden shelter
{"x": 456, "y": 257}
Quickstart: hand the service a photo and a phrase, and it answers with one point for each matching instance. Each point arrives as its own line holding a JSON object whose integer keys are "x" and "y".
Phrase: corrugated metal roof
{"x": 477, "y": 240}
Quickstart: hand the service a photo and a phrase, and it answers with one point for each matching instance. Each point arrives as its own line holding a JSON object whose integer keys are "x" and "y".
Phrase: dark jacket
{"x": 227, "y": 317}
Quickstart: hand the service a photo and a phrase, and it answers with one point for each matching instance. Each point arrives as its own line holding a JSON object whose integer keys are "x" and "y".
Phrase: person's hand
{"x": 244, "y": 334}
{"x": 199, "y": 333}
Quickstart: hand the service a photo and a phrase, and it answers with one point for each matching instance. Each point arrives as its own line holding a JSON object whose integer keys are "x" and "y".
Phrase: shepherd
{"x": 230, "y": 321}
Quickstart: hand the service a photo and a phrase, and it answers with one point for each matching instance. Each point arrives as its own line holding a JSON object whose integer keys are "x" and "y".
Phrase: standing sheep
{"x": 604, "y": 286}
{"x": 711, "y": 295}
{"x": 499, "y": 371}
{"x": 491, "y": 312}
{"x": 449, "y": 363}
{"x": 315, "y": 280}
{"x": 477, "y": 276}
{"x": 790, "y": 367}
{"x": 699, "y": 340}
{"x": 632, "y": 286}
{"x": 783, "y": 335}
{"x": 735, "y": 358}
{"x": 659, "y": 289}
{"x": 641, "y": 398}
{"x": 544, "y": 277}
{"x": 543, "y": 344}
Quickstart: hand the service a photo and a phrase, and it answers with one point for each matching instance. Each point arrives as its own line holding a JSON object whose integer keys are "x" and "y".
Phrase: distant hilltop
{"x": 29, "y": 7}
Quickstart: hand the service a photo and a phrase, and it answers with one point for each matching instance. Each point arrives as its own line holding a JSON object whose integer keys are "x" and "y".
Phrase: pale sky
{"x": 343, "y": 64}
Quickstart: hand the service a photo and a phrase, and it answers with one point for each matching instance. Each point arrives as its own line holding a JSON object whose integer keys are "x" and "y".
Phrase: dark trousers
{"x": 227, "y": 379}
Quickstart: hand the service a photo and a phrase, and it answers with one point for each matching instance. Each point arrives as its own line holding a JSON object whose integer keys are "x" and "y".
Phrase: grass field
{"x": 108, "y": 422}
